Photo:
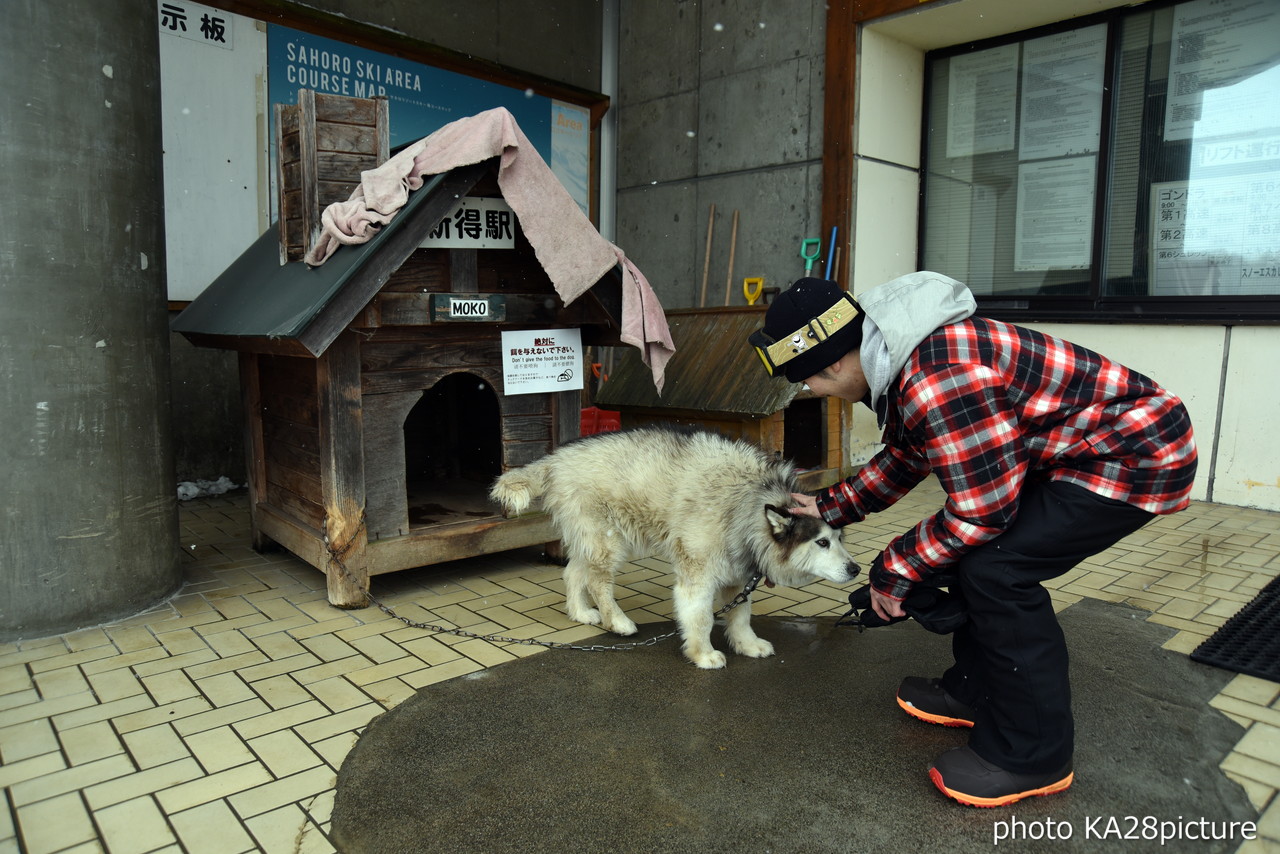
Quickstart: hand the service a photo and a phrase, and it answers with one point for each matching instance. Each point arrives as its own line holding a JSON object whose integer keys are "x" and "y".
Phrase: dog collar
{"x": 776, "y": 353}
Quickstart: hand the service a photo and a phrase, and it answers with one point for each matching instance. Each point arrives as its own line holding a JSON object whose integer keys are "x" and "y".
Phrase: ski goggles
{"x": 775, "y": 353}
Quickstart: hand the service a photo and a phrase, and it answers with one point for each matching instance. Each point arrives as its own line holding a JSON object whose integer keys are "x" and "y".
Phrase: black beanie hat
{"x": 792, "y": 311}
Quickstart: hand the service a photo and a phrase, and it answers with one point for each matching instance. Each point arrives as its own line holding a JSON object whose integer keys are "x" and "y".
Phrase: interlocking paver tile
{"x": 213, "y": 787}
{"x": 213, "y": 828}
{"x": 175, "y": 662}
{"x": 167, "y": 713}
{"x": 439, "y": 673}
{"x": 284, "y": 753}
{"x": 274, "y": 668}
{"x": 291, "y": 716}
{"x": 291, "y": 789}
{"x": 390, "y": 693}
{"x": 281, "y": 691}
{"x": 13, "y": 679}
{"x": 328, "y": 647}
{"x": 228, "y": 644}
{"x": 225, "y": 689}
{"x": 36, "y": 789}
{"x": 92, "y": 741}
{"x": 338, "y": 694}
{"x": 484, "y": 652}
{"x": 296, "y": 622}
{"x": 288, "y": 828}
{"x": 328, "y": 670}
{"x": 90, "y": 712}
{"x": 211, "y": 631}
{"x": 156, "y": 745}
{"x": 27, "y": 739}
{"x": 279, "y": 645}
{"x": 170, "y": 687}
{"x": 142, "y": 783}
{"x": 73, "y": 659}
{"x": 31, "y": 768}
{"x": 221, "y": 716}
{"x": 219, "y": 749}
{"x": 86, "y": 639}
{"x": 232, "y": 607}
{"x": 235, "y": 663}
{"x": 55, "y": 824}
{"x": 18, "y": 699}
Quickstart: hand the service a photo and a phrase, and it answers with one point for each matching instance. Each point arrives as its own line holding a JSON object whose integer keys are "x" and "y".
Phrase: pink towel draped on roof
{"x": 574, "y": 255}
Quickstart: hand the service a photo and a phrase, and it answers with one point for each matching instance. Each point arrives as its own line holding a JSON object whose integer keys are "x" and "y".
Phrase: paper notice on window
{"x": 541, "y": 360}
{"x": 1224, "y": 63}
{"x": 1055, "y": 214}
{"x": 982, "y": 90}
{"x": 1062, "y": 93}
{"x": 1216, "y": 236}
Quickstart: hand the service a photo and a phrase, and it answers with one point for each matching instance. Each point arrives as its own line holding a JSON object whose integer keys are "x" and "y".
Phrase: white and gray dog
{"x": 715, "y": 508}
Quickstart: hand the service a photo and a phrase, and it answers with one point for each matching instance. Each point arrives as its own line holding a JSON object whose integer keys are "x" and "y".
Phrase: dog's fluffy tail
{"x": 518, "y": 488}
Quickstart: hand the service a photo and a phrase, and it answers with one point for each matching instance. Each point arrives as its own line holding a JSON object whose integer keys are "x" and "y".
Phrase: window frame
{"x": 1096, "y": 306}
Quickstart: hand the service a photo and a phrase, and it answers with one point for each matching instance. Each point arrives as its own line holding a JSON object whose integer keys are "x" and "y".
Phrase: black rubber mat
{"x": 807, "y": 752}
{"x": 1249, "y": 642}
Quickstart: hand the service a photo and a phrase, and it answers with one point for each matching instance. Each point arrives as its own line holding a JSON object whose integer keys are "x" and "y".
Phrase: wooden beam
{"x": 837, "y": 139}
{"x": 254, "y": 445}
{"x": 843, "y": 19}
{"x": 342, "y": 471}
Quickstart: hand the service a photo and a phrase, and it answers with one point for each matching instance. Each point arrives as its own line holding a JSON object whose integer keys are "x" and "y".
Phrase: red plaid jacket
{"x": 985, "y": 405}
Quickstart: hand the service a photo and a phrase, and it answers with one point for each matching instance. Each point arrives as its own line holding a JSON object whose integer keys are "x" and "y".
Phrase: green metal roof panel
{"x": 258, "y": 297}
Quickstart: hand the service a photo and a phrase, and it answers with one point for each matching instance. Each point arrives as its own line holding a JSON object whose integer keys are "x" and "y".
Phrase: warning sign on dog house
{"x": 546, "y": 360}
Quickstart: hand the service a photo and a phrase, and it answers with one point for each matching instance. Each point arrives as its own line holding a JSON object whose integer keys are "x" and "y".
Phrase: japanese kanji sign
{"x": 477, "y": 223}
{"x": 195, "y": 22}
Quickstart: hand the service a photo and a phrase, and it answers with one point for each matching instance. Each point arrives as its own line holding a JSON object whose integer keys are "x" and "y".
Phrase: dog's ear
{"x": 779, "y": 519}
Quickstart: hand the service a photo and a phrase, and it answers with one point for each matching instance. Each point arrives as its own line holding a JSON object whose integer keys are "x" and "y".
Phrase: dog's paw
{"x": 754, "y": 648}
{"x": 623, "y": 625}
{"x": 713, "y": 660}
{"x": 589, "y": 617}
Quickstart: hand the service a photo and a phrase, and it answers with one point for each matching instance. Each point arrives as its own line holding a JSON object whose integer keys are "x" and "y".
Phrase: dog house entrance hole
{"x": 453, "y": 451}
{"x": 804, "y": 433}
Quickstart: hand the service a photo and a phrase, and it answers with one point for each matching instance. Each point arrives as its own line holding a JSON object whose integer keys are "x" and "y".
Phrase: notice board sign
{"x": 541, "y": 360}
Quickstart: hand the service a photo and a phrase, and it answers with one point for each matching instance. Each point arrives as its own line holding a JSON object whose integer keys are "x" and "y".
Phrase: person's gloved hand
{"x": 937, "y": 610}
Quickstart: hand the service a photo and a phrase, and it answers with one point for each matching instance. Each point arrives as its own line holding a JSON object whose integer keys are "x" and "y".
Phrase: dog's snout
{"x": 852, "y": 569}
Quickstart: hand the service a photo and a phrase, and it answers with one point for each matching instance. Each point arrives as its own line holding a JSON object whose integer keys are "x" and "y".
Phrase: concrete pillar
{"x": 88, "y": 518}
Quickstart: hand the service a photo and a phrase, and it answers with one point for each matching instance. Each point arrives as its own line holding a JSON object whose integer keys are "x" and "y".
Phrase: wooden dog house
{"x": 375, "y": 417}
{"x": 715, "y": 381}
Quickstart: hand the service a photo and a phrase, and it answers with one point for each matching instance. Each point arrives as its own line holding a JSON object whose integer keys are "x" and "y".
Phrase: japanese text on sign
{"x": 545, "y": 360}
{"x": 195, "y": 22}
{"x": 478, "y": 223}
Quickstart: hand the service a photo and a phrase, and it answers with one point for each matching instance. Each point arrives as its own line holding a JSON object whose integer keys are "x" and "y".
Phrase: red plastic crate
{"x": 597, "y": 420}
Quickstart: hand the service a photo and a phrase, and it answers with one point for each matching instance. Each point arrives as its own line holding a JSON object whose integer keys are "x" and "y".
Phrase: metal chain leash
{"x": 741, "y": 598}
{"x": 335, "y": 559}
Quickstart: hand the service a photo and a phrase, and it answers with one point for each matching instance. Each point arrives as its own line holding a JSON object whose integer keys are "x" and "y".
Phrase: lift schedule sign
{"x": 541, "y": 360}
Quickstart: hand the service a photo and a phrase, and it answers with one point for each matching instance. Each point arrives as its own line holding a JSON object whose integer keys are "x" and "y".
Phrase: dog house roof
{"x": 257, "y": 303}
{"x": 713, "y": 372}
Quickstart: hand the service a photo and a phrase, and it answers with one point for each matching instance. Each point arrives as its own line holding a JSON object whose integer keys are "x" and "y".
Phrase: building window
{"x": 1122, "y": 167}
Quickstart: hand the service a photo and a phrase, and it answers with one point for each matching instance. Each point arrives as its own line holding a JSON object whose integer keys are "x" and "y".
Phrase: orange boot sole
{"x": 930, "y": 718}
{"x": 1004, "y": 800}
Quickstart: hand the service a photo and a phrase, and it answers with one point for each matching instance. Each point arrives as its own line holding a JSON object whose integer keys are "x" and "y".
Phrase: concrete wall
{"x": 719, "y": 103}
{"x": 89, "y": 526}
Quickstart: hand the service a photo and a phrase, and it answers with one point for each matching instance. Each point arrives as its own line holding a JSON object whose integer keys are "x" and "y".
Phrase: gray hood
{"x": 899, "y": 315}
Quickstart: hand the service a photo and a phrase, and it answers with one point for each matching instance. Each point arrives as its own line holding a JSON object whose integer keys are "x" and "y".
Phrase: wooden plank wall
{"x": 399, "y": 360}
{"x": 289, "y": 414}
{"x": 324, "y": 142}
